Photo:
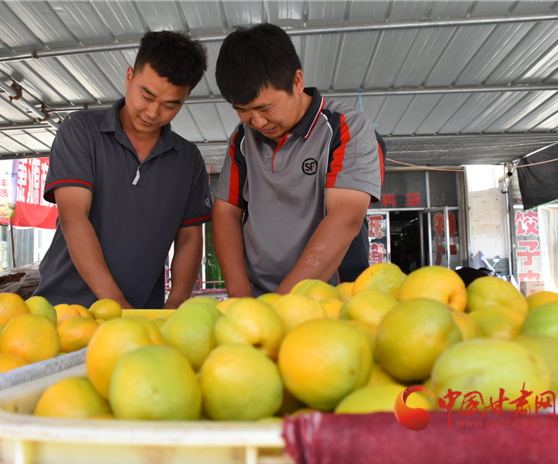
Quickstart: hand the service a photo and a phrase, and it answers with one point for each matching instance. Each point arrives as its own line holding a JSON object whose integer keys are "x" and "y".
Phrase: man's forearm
{"x": 87, "y": 256}
{"x": 321, "y": 257}
{"x": 184, "y": 267}
{"x": 229, "y": 247}
{"x": 332, "y": 238}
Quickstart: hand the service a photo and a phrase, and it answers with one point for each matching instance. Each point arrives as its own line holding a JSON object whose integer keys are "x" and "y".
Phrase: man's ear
{"x": 298, "y": 86}
{"x": 129, "y": 75}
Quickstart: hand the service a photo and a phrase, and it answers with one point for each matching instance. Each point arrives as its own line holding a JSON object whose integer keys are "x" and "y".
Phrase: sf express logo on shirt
{"x": 309, "y": 166}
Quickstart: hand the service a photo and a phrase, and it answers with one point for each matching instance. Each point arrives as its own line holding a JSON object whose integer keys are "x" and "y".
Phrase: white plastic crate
{"x": 26, "y": 439}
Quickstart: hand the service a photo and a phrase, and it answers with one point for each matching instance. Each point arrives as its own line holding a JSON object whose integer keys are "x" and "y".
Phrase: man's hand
{"x": 229, "y": 247}
{"x": 74, "y": 204}
{"x": 185, "y": 264}
{"x": 328, "y": 245}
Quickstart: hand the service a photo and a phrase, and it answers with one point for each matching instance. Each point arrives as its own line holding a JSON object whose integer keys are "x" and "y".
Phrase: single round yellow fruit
{"x": 11, "y": 305}
{"x": 40, "y": 305}
{"x": 76, "y": 332}
{"x": 332, "y": 307}
{"x": 380, "y": 398}
{"x": 436, "y": 283}
{"x": 543, "y": 320}
{"x": 547, "y": 349}
{"x": 490, "y": 291}
{"x": 386, "y": 277}
{"x": 345, "y": 289}
{"x": 64, "y": 312}
{"x": 222, "y": 306}
{"x": 369, "y": 306}
{"x": 498, "y": 321}
{"x": 106, "y": 309}
{"x": 155, "y": 383}
{"x": 191, "y": 331}
{"x": 323, "y": 360}
{"x": 83, "y": 311}
{"x": 296, "y": 309}
{"x": 315, "y": 289}
{"x": 268, "y": 298}
{"x": 72, "y": 397}
{"x": 412, "y": 336}
{"x": 240, "y": 383}
{"x": 487, "y": 365}
{"x": 469, "y": 328}
{"x": 10, "y": 361}
{"x": 379, "y": 376}
{"x": 111, "y": 341}
{"x": 251, "y": 322}
{"x": 31, "y": 337}
{"x": 540, "y": 298}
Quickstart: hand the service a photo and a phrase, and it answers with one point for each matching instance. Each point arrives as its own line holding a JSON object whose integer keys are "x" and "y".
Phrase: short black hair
{"x": 174, "y": 56}
{"x": 256, "y": 57}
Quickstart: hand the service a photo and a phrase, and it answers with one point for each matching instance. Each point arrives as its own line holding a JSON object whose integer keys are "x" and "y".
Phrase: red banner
{"x": 31, "y": 209}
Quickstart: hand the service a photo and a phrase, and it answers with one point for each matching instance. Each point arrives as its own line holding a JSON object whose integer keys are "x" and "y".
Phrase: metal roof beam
{"x": 11, "y": 127}
{"x": 17, "y": 97}
{"x": 345, "y": 94}
{"x": 340, "y": 29}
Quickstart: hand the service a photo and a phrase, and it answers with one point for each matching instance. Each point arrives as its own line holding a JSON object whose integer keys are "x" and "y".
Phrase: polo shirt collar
{"x": 308, "y": 121}
{"x": 111, "y": 123}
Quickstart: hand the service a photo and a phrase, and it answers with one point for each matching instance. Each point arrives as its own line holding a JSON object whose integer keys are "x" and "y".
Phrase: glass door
{"x": 440, "y": 228}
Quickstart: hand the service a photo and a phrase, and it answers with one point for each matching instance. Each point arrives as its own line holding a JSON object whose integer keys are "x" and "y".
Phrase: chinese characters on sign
{"x": 473, "y": 402}
{"x": 528, "y": 246}
{"x": 8, "y": 186}
{"x": 32, "y": 210}
{"x": 377, "y": 237}
{"x": 412, "y": 200}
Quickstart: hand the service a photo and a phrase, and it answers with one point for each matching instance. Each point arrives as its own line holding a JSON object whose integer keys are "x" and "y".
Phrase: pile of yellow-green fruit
{"x": 33, "y": 330}
{"x": 349, "y": 349}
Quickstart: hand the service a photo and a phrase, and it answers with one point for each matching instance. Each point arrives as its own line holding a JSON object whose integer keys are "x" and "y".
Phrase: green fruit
{"x": 487, "y": 365}
{"x": 40, "y": 305}
{"x": 191, "y": 331}
{"x": 542, "y": 320}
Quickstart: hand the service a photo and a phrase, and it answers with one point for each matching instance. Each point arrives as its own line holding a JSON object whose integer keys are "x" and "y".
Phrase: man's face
{"x": 151, "y": 101}
{"x": 275, "y": 112}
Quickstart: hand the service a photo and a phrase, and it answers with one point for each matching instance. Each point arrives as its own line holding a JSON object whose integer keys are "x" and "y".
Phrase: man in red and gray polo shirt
{"x": 298, "y": 176}
{"x": 127, "y": 187}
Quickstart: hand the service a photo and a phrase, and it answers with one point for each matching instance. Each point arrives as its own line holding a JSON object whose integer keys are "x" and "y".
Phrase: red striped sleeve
{"x": 189, "y": 221}
{"x": 338, "y": 154}
{"x": 234, "y": 187}
{"x": 381, "y": 155}
{"x": 65, "y": 181}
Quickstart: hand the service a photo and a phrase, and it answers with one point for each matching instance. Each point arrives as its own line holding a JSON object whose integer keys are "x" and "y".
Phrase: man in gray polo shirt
{"x": 298, "y": 176}
{"x": 127, "y": 187}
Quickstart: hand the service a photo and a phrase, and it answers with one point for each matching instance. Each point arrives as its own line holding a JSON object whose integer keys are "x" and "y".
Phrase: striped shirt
{"x": 282, "y": 186}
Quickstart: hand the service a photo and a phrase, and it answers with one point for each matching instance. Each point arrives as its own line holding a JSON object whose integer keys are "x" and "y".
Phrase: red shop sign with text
{"x": 31, "y": 209}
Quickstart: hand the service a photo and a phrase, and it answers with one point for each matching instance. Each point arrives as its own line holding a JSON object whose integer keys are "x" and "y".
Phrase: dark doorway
{"x": 405, "y": 239}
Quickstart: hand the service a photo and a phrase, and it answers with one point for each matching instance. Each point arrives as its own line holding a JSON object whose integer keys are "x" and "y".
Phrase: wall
{"x": 488, "y": 226}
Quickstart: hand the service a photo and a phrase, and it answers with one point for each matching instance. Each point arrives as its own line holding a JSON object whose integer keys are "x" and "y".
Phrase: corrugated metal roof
{"x": 428, "y": 72}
